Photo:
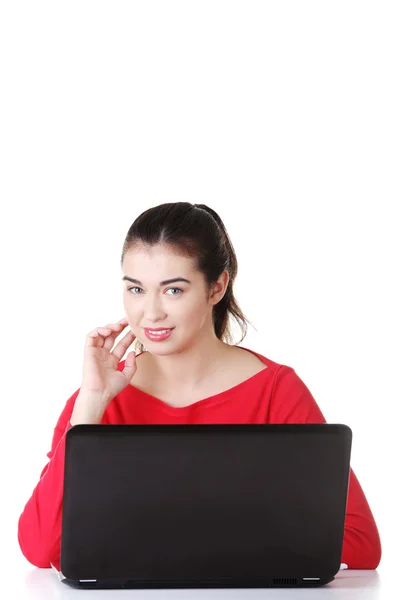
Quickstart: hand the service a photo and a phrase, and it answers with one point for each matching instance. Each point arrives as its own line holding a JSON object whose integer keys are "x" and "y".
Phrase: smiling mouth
{"x": 159, "y": 335}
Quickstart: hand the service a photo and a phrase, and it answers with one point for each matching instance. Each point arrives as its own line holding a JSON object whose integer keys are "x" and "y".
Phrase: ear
{"x": 219, "y": 288}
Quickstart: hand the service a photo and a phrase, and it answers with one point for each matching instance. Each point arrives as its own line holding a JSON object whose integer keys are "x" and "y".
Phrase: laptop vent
{"x": 285, "y": 581}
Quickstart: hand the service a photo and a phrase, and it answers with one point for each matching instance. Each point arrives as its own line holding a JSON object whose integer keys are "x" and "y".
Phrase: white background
{"x": 281, "y": 116}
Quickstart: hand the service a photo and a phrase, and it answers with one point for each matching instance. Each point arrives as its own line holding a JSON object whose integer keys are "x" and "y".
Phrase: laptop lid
{"x": 204, "y": 505}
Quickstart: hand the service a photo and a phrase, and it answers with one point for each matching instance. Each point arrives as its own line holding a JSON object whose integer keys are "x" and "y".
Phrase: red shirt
{"x": 274, "y": 395}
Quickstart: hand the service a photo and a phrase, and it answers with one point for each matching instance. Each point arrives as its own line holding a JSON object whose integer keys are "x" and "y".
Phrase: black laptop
{"x": 204, "y": 505}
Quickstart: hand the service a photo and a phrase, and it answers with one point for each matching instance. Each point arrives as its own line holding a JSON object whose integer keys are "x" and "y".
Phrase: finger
{"x": 130, "y": 366}
{"x": 124, "y": 344}
{"x": 117, "y": 326}
{"x": 105, "y": 336}
{"x": 96, "y": 337}
{"x": 112, "y": 331}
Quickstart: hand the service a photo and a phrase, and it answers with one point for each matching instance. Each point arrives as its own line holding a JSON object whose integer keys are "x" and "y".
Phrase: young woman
{"x": 178, "y": 268}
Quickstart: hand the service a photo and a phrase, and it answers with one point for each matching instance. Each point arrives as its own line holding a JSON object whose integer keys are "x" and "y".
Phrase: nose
{"x": 153, "y": 310}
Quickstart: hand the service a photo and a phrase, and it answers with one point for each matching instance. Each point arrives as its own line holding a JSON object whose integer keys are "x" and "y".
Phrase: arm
{"x": 39, "y": 526}
{"x": 292, "y": 402}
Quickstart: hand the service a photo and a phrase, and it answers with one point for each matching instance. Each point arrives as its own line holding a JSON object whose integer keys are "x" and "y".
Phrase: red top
{"x": 274, "y": 395}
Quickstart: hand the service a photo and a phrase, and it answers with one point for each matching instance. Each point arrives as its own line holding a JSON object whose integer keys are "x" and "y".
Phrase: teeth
{"x": 159, "y": 332}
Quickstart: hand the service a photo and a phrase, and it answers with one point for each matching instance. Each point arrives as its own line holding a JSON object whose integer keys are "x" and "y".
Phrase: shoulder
{"x": 255, "y": 357}
{"x": 292, "y": 400}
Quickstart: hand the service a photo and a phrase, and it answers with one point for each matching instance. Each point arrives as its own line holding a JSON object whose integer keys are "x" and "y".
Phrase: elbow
{"x": 376, "y": 555}
{"x": 362, "y": 552}
{"x": 370, "y": 560}
{"x": 30, "y": 549}
{"x": 372, "y": 552}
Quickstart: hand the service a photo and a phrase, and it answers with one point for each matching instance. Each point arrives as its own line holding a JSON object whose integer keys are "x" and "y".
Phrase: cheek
{"x": 196, "y": 315}
{"x": 131, "y": 306}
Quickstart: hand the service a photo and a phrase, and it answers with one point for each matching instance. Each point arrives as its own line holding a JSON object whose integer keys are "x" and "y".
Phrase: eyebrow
{"x": 165, "y": 282}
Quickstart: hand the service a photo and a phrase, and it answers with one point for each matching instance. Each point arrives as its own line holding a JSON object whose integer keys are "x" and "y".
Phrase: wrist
{"x": 89, "y": 408}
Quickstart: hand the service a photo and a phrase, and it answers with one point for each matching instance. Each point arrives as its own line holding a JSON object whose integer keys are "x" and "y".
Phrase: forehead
{"x": 159, "y": 259}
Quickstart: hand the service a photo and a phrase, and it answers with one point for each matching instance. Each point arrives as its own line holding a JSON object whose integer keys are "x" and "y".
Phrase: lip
{"x": 157, "y": 328}
{"x": 158, "y": 337}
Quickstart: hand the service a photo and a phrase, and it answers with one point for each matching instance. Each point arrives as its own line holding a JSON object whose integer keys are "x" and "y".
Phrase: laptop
{"x": 204, "y": 505}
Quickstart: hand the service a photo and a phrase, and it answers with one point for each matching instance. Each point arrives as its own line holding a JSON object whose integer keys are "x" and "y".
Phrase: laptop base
{"x": 268, "y": 582}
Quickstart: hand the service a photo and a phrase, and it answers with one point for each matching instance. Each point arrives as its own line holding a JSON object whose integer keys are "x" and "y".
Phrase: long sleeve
{"x": 292, "y": 402}
{"x": 39, "y": 525}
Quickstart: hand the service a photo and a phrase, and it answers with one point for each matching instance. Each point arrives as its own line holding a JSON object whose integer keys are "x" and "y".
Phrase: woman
{"x": 191, "y": 372}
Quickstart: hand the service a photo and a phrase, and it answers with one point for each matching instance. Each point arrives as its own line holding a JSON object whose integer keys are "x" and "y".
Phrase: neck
{"x": 191, "y": 365}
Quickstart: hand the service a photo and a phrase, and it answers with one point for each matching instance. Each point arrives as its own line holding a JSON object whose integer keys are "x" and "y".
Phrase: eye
{"x": 138, "y": 288}
{"x": 179, "y": 289}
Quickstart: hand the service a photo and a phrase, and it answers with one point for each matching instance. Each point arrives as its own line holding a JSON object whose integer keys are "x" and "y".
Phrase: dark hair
{"x": 195, "y": 231}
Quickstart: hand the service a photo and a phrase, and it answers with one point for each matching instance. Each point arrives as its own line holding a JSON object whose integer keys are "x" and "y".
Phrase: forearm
{"x": 39, "y": 526}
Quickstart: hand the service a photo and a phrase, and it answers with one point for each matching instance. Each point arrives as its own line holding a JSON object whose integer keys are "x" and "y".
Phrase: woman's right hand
{"x": 100, "y": 366}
